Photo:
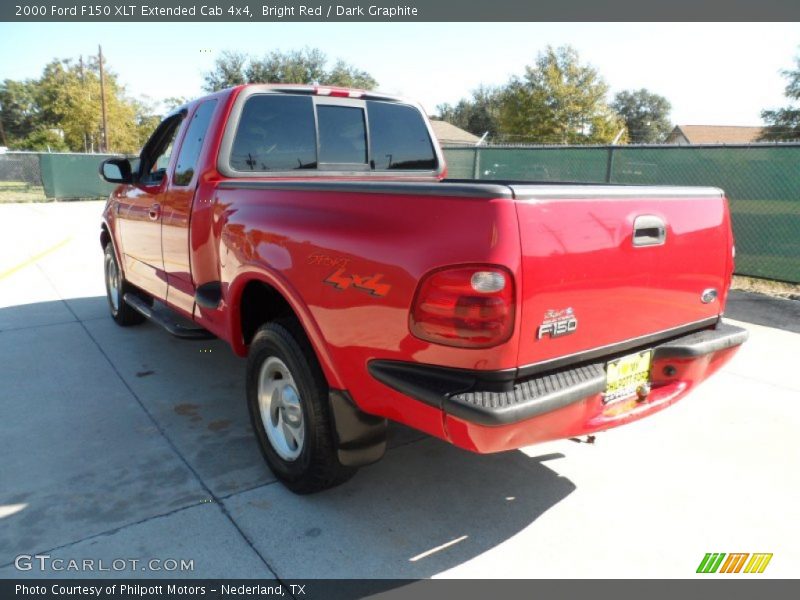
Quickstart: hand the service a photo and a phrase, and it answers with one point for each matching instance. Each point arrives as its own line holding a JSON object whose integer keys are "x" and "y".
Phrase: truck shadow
{"x": 427, "y": 507}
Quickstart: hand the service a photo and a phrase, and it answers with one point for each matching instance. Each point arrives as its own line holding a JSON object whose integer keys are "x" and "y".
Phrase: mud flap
{"x": 360, "y": 438}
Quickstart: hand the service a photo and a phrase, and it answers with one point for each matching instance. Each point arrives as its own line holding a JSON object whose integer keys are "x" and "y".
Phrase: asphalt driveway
{"x": 129, "y": 444}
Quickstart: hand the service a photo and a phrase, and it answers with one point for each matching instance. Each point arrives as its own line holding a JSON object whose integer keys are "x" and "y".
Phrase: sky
{"x": 712, "y": 73}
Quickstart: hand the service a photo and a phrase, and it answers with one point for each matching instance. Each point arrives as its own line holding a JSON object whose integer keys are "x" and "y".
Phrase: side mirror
{"x": 116, "y": 170}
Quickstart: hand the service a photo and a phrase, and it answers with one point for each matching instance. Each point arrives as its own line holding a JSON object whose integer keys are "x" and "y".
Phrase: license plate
{"x": 626, "y": 374}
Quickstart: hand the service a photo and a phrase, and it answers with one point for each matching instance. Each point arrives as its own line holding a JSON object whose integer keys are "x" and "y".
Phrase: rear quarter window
{"x": 399, "y": 137}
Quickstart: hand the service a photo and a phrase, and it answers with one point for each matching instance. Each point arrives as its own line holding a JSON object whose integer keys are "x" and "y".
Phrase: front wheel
{"x": 116, "y": 288}
{"x": 287, "y": 397}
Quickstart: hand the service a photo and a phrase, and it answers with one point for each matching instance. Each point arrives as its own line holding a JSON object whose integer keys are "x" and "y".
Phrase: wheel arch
{"x": 107, "y": 238}
{"x": 258, "y": 296}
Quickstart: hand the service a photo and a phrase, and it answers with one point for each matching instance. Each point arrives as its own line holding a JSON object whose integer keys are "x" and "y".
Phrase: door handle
{"x": 649, "y": 230}
{"x": 154, "y": 212}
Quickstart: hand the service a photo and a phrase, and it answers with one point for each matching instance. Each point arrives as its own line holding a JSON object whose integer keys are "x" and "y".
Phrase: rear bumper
{"x": 487, "y": 413}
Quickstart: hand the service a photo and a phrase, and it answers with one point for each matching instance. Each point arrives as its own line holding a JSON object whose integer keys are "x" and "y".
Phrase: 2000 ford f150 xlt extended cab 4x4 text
{"x": 313, "y": 230}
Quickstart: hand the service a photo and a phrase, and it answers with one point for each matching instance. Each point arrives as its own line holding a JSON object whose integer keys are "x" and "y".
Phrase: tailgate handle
{"x": 649, "y": 230}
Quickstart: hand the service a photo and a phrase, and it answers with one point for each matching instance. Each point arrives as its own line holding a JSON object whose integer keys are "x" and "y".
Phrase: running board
{"x": 179, "y": 331}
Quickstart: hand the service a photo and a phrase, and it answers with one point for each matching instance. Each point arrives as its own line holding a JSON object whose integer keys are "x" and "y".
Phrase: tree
{"x": 478, "y": 115}
{"x": 174, "y": 102}
{"x": 62, "y": 110}
{"x": 70, "y": 100}
{"x": 45, "y": 140}
{"x": 296, "y": 66}
{"x": 308, "y": 65}
{"x": 558, "y": 101}
{"x": 18, "y": 109}
{"x": 346, "y": 75}
{"x": 148, "y": 116}
{"x": 784, "y": 123}
{"x": 646, "y": 115}
{"x": 228, "y": 71}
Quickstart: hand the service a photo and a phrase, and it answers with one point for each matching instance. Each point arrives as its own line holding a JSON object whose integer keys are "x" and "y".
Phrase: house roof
{"x": 717, "y": 134}
{"x": 447, "y": 133}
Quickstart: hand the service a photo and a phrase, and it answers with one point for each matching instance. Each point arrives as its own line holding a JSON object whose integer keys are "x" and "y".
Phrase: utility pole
{"x": 2, "y": 131}
{"x": 103, "y": 100}
{"x": 83, "y": 87}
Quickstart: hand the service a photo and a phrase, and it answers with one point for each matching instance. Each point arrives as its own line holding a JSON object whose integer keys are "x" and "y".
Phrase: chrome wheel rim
{"x": 279, "y": 404}
{"x": 112, "y": 283}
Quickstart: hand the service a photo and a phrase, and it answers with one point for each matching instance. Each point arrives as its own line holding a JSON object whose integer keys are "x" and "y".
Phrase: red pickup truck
{"x": 313, "y": 229}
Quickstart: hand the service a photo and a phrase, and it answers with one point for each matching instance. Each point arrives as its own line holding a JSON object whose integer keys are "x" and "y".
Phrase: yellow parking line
{"x": 36, "y": 257}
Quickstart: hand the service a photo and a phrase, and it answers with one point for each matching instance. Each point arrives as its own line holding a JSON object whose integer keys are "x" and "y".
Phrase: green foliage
{"x": 62, "y": 110}
{"x": 174, "y": 102}
{"x": 228, "y": 71}
{"x": 346, "y": 75}
{"x": 19, "y": 109}
{"x": 148, "y": 117}
{"x": 478, "y": 114}
{"x": 646, "y": 115}
{"x": 297, "y": 66}
{"x": 784, "y": 123}
{"x": 45, "y": 140}
{"x": 558, "y": 101}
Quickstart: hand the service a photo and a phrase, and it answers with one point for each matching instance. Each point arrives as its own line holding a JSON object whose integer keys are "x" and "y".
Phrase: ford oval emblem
{"x": 708, "y": 296}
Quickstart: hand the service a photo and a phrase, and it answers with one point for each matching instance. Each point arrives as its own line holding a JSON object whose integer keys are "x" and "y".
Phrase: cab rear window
{"x": 342, "y": 135}
{"x": 286, "y": 132}
{"x": 275, "y": 133}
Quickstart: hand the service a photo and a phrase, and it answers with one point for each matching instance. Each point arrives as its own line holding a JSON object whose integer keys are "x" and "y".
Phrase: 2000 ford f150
{"x": 313, "y": 230}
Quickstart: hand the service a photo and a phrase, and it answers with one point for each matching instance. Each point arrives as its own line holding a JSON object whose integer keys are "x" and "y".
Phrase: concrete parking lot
{"x": 130, "y": 444}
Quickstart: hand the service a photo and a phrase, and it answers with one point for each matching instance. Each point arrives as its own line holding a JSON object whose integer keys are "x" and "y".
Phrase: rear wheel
{"x": 287, "y": 397}
{"x": 116, "y": 288}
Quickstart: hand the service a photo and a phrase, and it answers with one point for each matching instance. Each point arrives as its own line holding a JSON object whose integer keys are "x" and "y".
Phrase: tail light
{"x": 337, "y": 92}
{"x": 468, "y": 307}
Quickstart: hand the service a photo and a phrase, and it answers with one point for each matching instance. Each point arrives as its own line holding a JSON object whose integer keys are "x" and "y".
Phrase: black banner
{"x": 398, "y": 10}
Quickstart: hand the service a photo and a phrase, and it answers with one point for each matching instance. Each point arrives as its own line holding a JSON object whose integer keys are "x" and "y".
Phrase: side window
{"x": 157, "y": 151}
{"x": 342, "y": 135}
{"x": 193, "y": 143}
{"x": 399, "y": 137}
{"x": 275, "y": 133}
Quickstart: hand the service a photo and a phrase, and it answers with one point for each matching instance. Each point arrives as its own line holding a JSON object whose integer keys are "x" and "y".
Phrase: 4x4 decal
{"x": 370, "y": 284}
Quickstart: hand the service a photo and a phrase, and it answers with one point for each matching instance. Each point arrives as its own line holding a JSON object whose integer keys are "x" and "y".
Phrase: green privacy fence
{"x": 67, "y": 176}
{"x": 762, "y": 182}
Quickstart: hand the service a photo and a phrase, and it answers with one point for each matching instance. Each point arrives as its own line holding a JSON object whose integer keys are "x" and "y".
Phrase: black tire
{"x": 122, "y": 313}
{"x": 317, "y": 466}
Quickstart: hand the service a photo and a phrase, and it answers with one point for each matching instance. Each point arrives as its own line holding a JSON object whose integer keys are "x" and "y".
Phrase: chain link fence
{"x": 41, "y": 176}
{"x": 20, "y": 177}
{"x": 761, "y": 181}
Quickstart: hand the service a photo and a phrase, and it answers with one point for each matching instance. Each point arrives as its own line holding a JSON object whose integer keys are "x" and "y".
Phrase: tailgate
{"x": 604, "y": 265}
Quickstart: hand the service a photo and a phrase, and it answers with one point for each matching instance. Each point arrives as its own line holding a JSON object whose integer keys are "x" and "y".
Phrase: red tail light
{"x": 469, "y": 307}
{"x": 338, "y": 92}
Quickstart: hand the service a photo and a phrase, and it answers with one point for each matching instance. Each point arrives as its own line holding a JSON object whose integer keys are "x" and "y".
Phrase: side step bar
{"x": 179, "y": 331}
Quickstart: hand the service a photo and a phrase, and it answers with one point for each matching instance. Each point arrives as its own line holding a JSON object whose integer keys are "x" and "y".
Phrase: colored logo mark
{"x": 371, "y": 284}
{"x": 719, "y": 562}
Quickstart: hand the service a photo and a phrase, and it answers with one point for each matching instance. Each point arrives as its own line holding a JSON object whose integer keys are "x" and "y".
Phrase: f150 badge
{"x": 557, "y": 323}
